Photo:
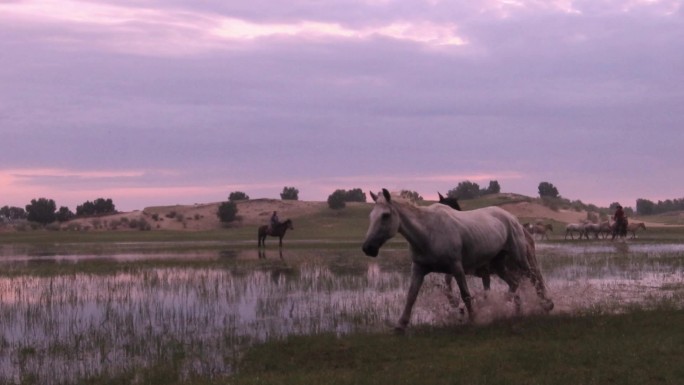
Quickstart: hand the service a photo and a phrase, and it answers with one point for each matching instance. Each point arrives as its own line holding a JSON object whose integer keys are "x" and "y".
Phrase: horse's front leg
{"x": 449, "y": 291}
{"x": 417, "y": 277}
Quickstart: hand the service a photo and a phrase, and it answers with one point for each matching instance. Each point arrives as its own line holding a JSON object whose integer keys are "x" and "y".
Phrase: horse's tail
{"x": 535, "y": 274}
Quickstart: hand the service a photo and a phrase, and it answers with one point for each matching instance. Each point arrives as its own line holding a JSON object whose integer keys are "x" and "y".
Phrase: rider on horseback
{"x": 274, "y": 220}
{"x": 620, "y": 222}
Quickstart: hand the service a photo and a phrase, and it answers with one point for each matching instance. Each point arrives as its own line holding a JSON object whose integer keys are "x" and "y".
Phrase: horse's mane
{"x": 396, "y": 197}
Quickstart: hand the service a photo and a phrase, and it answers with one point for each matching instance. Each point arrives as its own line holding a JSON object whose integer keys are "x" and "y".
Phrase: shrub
{"x": 336, "y": 200}
{"x": 41, "y": 211}
{"x": 289, "y": 193}
{"x": 227, "y": 212}
{"x": 238, "y": 196}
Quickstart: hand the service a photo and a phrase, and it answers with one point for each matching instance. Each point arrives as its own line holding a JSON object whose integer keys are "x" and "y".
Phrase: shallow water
{"x": 64, "y": 327}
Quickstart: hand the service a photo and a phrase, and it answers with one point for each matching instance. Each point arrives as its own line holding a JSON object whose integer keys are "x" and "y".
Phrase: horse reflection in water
{"x": 444, "y": 240}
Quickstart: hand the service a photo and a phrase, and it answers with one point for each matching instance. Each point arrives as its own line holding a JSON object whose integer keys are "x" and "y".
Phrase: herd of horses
{"x": 603, "y": 229}
{"x": 444, "y": 239}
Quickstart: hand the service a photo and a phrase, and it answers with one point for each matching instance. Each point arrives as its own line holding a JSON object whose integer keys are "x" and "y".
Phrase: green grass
{"x": 636, "y": 348}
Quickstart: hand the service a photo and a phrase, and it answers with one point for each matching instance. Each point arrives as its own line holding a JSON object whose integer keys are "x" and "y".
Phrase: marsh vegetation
{"x": 133, "y": 313}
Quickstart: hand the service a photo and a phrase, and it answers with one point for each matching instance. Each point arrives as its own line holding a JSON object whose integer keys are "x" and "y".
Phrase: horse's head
{"x": 384, "y": 224}
{"x": 289, "y": 225}
{"x": 449, "y": 201}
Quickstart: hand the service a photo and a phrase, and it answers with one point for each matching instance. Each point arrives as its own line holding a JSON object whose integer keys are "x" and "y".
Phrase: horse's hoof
{"x": 399, "y": 330}
{"x": 547, "y": 305}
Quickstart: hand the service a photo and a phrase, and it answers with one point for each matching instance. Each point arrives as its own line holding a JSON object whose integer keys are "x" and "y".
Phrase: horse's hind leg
{"x": 535, "y": 276}
{"x": 511, "y": 280}
{"x": 459, "y": 274}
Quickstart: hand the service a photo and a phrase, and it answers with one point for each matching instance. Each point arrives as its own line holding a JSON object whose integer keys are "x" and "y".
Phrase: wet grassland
{"x": 209, "y": 308}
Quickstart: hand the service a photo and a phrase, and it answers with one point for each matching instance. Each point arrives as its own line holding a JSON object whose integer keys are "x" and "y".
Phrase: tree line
{"x": 647, "y": 207}
{"x": 44, "y": 211}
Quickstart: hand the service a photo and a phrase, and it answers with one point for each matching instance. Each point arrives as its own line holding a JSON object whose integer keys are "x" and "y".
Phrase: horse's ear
{"x": 375, "y": 197}
{"x": 441, "y": 198}
{"x": 386, "y": 194}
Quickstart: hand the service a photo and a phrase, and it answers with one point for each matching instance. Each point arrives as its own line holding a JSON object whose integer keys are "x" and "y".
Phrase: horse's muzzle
{"x": 370, "y": 250}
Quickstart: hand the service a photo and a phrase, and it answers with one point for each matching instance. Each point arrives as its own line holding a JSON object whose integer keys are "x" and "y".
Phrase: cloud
{"x": 264, "y": 94}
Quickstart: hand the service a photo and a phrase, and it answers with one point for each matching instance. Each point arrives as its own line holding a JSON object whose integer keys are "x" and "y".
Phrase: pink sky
{"x": 182, "y": 102}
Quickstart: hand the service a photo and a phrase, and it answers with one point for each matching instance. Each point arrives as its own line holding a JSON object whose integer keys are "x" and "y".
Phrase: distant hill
{"x": 254, "y": 212}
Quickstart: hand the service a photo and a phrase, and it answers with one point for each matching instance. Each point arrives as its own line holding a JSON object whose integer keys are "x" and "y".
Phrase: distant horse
{"x": 573, "y": 228}
{"x": 592, "y": 228}
{"x": 278, "y": 230}
{"x": 634, "y": 226}
{"x": 443, "y": 240}
{"x": 605, "y": 229}
{"x": 602, "y": 229}
{"x": 541, "y": 229}
{"x": 449, "y": 201}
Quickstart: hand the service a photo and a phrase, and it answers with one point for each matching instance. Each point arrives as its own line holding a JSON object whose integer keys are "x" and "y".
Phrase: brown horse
{"x": 278, "y": 230}
{"x": 541, "y": 229}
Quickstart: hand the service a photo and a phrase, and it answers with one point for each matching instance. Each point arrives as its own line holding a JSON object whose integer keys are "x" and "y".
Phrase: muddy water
{"x": 67, "y": 327}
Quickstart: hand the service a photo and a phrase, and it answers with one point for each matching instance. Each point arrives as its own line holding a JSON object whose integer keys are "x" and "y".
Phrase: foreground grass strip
{"x": 637, "y": 348}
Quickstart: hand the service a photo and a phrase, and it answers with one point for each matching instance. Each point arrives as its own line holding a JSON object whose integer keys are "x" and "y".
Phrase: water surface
{"x": 199, "y": 310}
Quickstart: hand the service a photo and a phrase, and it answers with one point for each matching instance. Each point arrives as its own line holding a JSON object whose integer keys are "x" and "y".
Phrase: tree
{"x": 227, "y": 212}
{"x": 41, "y": 211}
{"x": 64, "y": 214}
{"x": 238, "y": 196}
{"x": 100, "y": 206}
{"x": 336, "y": 200}
{"x": 289, "y": 193}
{"x": 355, "y": 195}
{"x": 12, "y": 213}
{"x": 494, "y": 188}
{"x": 546, "y": 189}
{"x": 465, "y": 190}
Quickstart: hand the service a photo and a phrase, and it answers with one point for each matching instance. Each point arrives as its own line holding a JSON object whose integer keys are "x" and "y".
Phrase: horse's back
{"x": 485, "y": 232}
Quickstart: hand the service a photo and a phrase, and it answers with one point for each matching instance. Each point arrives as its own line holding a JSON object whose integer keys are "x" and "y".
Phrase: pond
{"x": 66, "y": 318}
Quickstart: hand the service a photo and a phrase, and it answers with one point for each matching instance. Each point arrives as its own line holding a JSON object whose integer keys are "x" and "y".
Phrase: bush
{"x": 41, "y": 211}
{"x": 100, "y": 206}
{"x": 465, "y": 190}
{"x": 289, "y": 193}
{"x": 238, "y": 196}
{"x": 336, "y": 200}
{"x": 227, "y": 212}
{"x": 355, "y": 195}
{"x": 547, "y": 189}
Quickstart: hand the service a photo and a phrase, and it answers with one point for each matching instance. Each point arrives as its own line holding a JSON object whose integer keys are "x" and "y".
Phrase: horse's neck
{"x": 413, "y": 226}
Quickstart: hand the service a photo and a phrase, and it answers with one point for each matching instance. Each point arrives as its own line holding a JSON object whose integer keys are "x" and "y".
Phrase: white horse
{"x": 632, "y": 227}
{"x": 592, "y": 228}
{"x": 574, "y": 228}
{"x": 454, "y": 242}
